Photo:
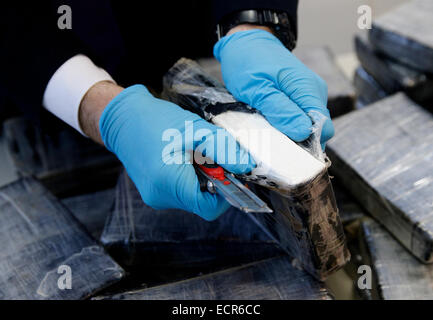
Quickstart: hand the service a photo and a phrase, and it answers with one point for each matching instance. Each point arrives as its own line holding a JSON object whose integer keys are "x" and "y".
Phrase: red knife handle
{"x": 213, "y": 170}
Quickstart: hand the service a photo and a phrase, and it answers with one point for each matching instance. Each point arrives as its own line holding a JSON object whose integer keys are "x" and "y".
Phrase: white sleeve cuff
{"x": 69, "y": 84}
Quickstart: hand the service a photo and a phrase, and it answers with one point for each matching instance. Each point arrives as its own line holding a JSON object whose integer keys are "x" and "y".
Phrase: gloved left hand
{"x": 258, "y": 70}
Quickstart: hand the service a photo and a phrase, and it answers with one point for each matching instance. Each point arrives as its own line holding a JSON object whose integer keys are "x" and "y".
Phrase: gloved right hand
{"x": 134, "y": 125}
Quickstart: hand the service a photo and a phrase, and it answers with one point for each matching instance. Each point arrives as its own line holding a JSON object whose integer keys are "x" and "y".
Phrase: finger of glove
{"x": 221, "y": 147}
{"x": 284, "y": 114}
{"x": 206, "y": 205}
{"x": 304, "y": 87}
{"x": 328, "y": 130}
{"x": 181, "y": 190}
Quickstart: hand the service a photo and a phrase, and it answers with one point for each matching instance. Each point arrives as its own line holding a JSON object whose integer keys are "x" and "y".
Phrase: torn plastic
{"x": 188, "y": 85}
{"x": 306, "y": 222}
{"x": 280, "y": 162}
{"x": 312, "y": 145}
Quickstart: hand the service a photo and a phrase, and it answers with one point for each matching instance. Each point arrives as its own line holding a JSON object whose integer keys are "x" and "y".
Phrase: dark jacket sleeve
{"x": 32, "y": 49}
{"x": 221, "y": 8}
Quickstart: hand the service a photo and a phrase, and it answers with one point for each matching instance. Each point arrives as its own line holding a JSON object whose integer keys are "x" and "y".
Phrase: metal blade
{"x": 237, "y": 194}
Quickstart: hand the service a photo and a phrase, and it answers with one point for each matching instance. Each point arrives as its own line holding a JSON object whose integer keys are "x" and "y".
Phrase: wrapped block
{"x": 142, "y": 237}
{"x": 305, "y": 222}
{"x": 405, "y": 34}
{"x": 341, "y": 94}
{"x": 383, "y": 154}
{"x": 64, "y": 161}
{"x": 272, "y": 279}
{"x": 40, "y": 238}
{"x": 367, "y": 88}
{"x": 348, "y": 208}
{"x": 397, "y": 275}
{"x": 307, "y": 226}
{"x": 92, "y": 209}
{"x": 393, "y": 76}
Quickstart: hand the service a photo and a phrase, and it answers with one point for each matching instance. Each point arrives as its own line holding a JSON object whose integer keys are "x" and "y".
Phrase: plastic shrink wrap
{"x": 397, "y": 275}
{"x": 383, "y": 155}
{"x": 43, "y": 244}
{"x": 63, "y": 160}
{"x": 171, "y": 244}
{"x": 272, "y": 279}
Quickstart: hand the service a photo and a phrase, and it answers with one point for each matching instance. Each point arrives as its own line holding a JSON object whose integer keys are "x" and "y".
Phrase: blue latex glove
{"x": 134, "y": 125}
{"x": 258, "y": 70}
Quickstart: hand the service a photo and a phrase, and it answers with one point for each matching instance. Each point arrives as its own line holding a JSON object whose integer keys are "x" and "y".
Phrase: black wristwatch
{"x": 279, "y": 22}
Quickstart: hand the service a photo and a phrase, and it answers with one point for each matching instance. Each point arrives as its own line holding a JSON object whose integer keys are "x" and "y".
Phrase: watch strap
{"x": 278, "y": 21}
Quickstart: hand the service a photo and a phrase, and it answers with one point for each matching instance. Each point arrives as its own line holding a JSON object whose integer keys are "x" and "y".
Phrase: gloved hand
{"x": 153, "y": 139}
{"x": 258, "y": 70}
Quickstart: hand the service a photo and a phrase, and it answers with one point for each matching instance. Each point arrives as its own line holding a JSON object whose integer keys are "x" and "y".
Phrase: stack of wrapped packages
{"x": 397, "y": 55}
{"x": 383, "y": 153}
{"x": 73, "y": 205}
